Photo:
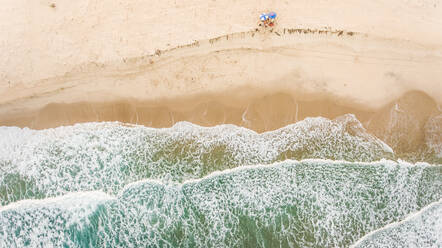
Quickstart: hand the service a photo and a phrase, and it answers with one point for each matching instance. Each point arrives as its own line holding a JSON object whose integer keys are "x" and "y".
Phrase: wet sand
{"x": 409, "y": 124}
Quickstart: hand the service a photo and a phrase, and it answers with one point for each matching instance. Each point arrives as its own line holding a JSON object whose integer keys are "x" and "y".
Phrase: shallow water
{"x": 108, "y": 156}
{"x": 316, "y": 183}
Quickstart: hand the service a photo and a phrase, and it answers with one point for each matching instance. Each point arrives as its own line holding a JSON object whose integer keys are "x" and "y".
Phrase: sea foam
{"x": 422, "y": 229}
{"x": 108, "y": 156}
{"x": 311, "y": 203}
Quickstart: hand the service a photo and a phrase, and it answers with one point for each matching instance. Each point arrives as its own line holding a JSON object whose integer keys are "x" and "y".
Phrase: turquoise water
{"x": 316, "y": 183}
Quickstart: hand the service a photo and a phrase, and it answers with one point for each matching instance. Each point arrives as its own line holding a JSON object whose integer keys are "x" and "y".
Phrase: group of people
{"x": 267, "y": 19}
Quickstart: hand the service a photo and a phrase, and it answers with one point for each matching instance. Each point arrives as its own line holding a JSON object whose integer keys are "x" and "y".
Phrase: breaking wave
{"x": 422, "y": 229}
{"x": 312, "y": 203}
{"x": 315, "y": 183}
{"x": 108, "y": 156}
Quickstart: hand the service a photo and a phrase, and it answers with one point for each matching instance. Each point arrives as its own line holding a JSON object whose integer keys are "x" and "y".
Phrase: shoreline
{"x": 418, "y": 134}
{"x": 254, "y": 111}
{"x": 258, "y": 79}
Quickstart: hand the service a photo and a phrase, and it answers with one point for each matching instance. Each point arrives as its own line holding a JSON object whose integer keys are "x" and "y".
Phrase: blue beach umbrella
{"x": 263, "y": 17}
{"x": 272, "y": 15}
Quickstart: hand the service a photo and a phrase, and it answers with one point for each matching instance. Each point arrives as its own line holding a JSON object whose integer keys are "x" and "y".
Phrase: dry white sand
{"x": 42, "y": 39}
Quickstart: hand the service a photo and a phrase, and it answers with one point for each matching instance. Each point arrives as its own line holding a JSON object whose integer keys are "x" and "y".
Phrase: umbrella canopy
{"x": 263, "y": 17}
{"x": 272, "y": 15}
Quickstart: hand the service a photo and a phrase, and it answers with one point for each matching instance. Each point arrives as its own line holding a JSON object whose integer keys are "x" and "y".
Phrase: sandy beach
{"x": 220, "y": 123}
{"x": 206, "y": 62}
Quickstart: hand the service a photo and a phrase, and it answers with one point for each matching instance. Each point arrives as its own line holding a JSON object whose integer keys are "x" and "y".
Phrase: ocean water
{"x": 316, "y": 183}
{"x": 422, "y": 229}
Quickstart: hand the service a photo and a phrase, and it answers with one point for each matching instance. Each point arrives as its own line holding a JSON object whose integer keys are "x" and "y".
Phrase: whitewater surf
{"x": 315, "y": 183}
